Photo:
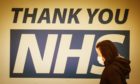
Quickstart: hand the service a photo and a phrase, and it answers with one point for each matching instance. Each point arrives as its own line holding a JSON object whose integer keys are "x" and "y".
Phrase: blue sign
{"x": 60, "y": 53}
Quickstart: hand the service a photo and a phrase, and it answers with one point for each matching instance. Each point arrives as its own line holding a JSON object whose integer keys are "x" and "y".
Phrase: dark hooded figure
{"x": 117, "y": 68}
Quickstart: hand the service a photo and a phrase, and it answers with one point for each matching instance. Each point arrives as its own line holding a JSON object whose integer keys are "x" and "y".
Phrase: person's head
{"x": 107, "y": 50}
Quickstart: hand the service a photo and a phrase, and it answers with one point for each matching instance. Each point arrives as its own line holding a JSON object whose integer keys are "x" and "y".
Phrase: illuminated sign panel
{"x": 60, "y": 53}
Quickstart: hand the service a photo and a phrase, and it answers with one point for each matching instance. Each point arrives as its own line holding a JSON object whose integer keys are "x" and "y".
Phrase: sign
{"x": 60, "y": 53}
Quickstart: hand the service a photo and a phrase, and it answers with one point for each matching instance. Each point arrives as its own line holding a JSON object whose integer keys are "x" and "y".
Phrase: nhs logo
{"x": 61, "y": 53}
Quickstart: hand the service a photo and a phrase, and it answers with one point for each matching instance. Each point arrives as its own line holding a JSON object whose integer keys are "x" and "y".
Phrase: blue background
{"x": 71, "y": 66}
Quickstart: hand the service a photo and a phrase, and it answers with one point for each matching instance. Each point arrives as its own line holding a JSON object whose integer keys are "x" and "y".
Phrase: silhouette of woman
{"x": 117, "y": 68}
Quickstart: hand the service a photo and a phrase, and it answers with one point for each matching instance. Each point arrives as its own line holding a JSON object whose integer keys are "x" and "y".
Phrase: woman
{"x": 117, "y": 68}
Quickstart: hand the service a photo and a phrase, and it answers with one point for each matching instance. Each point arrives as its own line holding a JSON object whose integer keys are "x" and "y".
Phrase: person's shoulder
{"x": 111, "y": 72}
{"x": 112, "y": 68}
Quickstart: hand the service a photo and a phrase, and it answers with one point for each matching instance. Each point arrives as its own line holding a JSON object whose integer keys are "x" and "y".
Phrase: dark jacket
{"x": 116, "y": 72}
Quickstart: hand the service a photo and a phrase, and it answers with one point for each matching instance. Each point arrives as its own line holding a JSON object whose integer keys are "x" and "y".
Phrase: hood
{"x": 123, "y": 65}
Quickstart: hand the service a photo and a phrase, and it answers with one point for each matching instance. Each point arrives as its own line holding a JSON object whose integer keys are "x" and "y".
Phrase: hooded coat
{"x": 116, "y": 72}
